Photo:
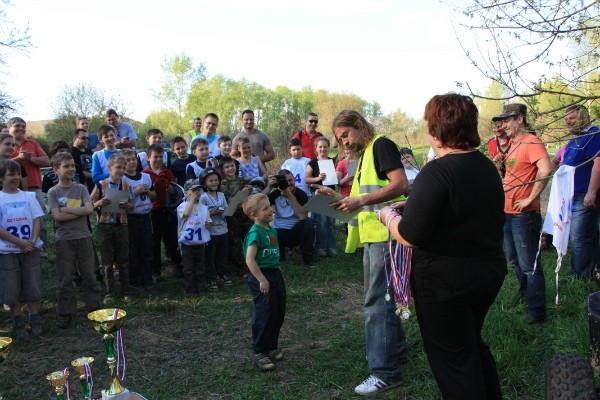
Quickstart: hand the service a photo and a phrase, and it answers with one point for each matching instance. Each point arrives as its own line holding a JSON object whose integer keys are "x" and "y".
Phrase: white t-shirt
{"x": 17, "y": 214}
{"x": 192, "y": 231}
{"x": 297, "y": 166}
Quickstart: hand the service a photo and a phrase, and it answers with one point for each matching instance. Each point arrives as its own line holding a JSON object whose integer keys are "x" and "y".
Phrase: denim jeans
{"x": 325, "y": 232}
{"x": 384, "y": 334}
{"x": 584, "y": 238}
{"x": 521, "y": 243}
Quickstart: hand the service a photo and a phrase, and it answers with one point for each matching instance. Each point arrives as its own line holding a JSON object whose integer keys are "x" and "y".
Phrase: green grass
{"x": 199, "y": 348}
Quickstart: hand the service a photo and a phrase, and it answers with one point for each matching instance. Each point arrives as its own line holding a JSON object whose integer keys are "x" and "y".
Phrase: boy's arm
{"x": 151, "y": 195}
{"x": 255, "y": 270}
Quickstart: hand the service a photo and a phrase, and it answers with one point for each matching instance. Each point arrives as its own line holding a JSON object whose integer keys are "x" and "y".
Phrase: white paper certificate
{"x": 115, "y": 196}
{"x": 328, "y": 168}
{"x": 320, "y": 204}
{"x": 236, "y": 200}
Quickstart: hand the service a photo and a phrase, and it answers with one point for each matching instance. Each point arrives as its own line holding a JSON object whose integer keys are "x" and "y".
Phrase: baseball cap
{"x": 191, "y": 184}
{"x": 511, "y": 110}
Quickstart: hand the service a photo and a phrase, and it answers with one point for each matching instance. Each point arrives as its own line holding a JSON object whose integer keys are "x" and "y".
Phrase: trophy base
{"x": 124, "y": 395}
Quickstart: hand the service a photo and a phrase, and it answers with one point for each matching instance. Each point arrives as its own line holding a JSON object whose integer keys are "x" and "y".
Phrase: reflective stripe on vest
{"x": 366, "y": 228}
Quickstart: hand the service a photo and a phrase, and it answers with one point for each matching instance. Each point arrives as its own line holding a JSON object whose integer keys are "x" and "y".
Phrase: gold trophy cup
{"x": 58, "y": 380}
{"x": 86, "y": 380}
{"x": 5, "y": 343}
{"x": 107, "y": 322}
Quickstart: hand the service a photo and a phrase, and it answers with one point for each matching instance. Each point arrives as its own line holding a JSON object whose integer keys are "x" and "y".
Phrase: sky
{"x": 397, "y": 53}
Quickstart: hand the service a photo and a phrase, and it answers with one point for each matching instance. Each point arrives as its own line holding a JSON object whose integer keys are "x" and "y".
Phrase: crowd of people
{"x": 462, "y": 237}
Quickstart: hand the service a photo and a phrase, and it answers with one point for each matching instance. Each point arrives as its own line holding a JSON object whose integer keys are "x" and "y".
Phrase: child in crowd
{"x": 238, "y": 224}
{"x": 266, "y": 282}
{"x": 225, "y": 151}
{"x": 345, "y": 171}
{"x": 7, "y": 149}
{"x": 70, "y": 204}
{"x": 163, "y": 226}
{"x": 297, "y": 164}
{"x": 139, "y": 222}
{"x": 20, "y": 263}
{"x": 193, "y": 236}
{"x": 179, "y": 146}
{"x": 216, "y": 249}
{"x": 250, "y": 166}
{"x": 113, "y": 233}
{"x": 410, "y": 165}
{"x": 50, "y": 177}
{"x": 154, "y": 136}
{"x": 325, "y": 241}
{"x": 200, "y": 150}
{"x": 108, "y": 137}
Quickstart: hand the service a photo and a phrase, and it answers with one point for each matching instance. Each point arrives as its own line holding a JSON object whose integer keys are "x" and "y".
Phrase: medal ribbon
{"x": 401, "y": 257}
{"x": 66, "y": 385}
{"x": 120, "y": 349}
{"x": 89, "y": 377}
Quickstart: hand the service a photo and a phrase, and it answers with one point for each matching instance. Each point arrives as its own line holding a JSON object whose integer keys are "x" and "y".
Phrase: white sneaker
{"x": 373, "y": 385}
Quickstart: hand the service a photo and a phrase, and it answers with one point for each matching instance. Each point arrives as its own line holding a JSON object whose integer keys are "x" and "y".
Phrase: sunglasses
{"x": 84, "y": 138}
{"x": 313, "y": 121}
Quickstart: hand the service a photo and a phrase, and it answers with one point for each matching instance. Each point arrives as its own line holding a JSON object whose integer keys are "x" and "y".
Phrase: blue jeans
{"x": 384, "y": 334}
{"x": 521, "y": 244}
{"x": 325, "y": 232}
{"x": 584, "y": 238}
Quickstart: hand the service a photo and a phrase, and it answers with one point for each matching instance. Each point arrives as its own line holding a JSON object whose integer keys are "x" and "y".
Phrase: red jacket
{"x": 161, "y": 183}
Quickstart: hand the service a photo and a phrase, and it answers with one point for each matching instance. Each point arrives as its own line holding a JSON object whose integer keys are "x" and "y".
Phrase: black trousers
{"x": 463, "y": 366}
{"x": 269, "y": 310}
{"x": 164, "y": 227}
{"x": 303, "y": 233}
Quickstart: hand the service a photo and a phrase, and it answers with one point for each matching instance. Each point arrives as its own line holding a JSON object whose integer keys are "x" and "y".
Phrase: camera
{"x": 281, "y": 181}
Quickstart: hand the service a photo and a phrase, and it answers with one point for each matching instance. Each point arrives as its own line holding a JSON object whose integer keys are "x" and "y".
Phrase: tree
{"x": 82, "y": 100}
{"x": 179, "y": 75}
{"x": 11, "y": 39}
{"x": 523, "y": 44}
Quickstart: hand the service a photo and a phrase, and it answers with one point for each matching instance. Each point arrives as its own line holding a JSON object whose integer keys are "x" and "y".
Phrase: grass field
{"x": 180, "y": 347}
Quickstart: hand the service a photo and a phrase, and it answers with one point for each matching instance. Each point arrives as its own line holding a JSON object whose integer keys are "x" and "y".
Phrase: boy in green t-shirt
{"x": 265, "y": 281}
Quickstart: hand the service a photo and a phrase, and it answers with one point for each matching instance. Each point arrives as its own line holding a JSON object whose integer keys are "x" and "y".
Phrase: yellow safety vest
{"x": 366, "y": 228}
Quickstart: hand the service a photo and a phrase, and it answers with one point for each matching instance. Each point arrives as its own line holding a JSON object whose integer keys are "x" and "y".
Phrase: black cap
{"x": 511, "y": 110}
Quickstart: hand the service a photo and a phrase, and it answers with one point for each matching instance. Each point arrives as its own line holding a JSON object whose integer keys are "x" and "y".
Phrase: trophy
{"x": 83, "y": 366}
{"x": 107, "y": 322}
{"x": 58, "y": 380}
{"x": 5, "y": 343}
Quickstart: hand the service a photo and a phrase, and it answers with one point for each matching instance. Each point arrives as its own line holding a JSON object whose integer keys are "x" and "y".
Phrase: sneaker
{"x": 43, "y": 254}
{"x": 321, "y": 253}
{"x": 177, "y": 271}
{"x": 533, "y": 320}
{"x": 373, "y": 385}
{"x": 107, "y": 299}
{"x": 35, "y": 328}
{"x": 263, "y": 362}
{"x": 332, "y": 252}
{"x": 64, "y": 321}
{"x": 213, "y": 286}
{"x": 20, "y": 331}
{"x": 226, "y": 280}
{"x": 276, "y": 355}
{"x": 126, "y": 299}
{"x": 309, "y": 262}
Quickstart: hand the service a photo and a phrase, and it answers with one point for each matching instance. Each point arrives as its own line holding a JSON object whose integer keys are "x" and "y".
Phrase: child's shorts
{"x": 20, "y": 276}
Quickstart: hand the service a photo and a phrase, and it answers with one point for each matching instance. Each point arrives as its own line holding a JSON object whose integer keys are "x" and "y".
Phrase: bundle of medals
{"x": 399, "y": 275}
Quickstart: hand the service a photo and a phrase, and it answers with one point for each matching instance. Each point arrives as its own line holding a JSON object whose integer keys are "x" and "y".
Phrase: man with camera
{"x": 294, "y": 226}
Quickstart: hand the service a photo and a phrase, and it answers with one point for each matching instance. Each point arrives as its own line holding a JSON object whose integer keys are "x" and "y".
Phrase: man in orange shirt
{"x": 30, "y": 155}
{"x": 527, "y": 168}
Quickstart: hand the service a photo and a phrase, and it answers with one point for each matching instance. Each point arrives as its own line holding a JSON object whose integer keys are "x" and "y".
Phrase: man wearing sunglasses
{"x": 309, "y": 135}
{"x": 82, "y": 155}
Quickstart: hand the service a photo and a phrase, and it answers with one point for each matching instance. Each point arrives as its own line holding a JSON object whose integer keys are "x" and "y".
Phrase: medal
{"x": 387, "y": 296}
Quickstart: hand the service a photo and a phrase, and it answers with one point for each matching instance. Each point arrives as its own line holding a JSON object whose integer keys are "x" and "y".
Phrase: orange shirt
{"x": 34, "y": 177}
{"x": 521, "y": 167}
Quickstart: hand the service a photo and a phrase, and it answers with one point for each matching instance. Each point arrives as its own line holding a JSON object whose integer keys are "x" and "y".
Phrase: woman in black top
{"x": 454, "y": 220}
